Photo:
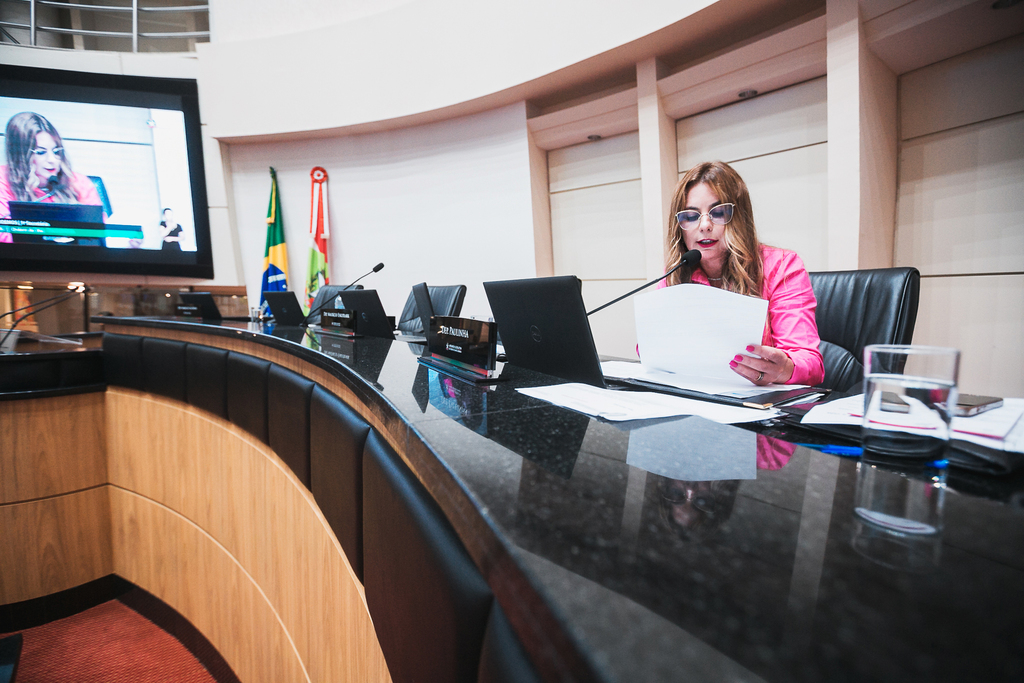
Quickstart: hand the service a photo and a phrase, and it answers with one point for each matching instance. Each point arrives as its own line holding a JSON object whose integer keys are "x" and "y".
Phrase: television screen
{"x": 102, "y": 173}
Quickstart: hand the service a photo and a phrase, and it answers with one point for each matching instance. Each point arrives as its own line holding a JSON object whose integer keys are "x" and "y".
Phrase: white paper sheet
{"x": 640, "y": 405}
{"x": 694, "y": 331}
{"x": 993, "y": 428}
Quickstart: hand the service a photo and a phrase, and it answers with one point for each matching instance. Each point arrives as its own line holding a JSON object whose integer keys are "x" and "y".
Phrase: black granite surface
{"x": 684, "y": 550}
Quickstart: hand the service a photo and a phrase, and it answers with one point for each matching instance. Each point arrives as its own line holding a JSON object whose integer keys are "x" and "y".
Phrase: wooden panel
{"x": 610, "y": 160}
{"x": 983, "y": 316}
{"x": 614, "y": 328}
{"x": 960, "y": 208}
{"x": 973, "y": 87}
{"x": 785, "y": 119}
{"x": 175, "y": 560}
{"x": 50, "y": 446}
{"x": 789, "y": 193}
{"x": 765, "y": 76}
{"x": 598, "y": 232}
{"x": 53, "y": 544}
{"x": 238, "y": 491}
{"x": 607, "y": 116}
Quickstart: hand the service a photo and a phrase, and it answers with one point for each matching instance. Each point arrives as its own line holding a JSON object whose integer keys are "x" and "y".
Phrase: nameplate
{"x": 187, "y": 311}
{"x": 469, "y": 345}
{"x": 338, "y": 319}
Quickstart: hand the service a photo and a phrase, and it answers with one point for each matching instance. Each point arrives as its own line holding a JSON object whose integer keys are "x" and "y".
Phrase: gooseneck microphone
{"x": 52, "y": 184}
{"x": 376, "y": 269}
{"x": 37, "y": 307}
{"x": 690, "y": 258}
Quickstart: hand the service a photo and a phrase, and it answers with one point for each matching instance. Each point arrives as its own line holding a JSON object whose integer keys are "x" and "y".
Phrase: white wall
{"x": 448, "y": 203}
{"x": 960, "y": 217}
{"x": 416, "y": 57}
{"x": 597, "y": 231}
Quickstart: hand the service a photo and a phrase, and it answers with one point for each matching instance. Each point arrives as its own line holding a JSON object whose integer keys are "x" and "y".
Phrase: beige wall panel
{"x": 598, "y": 232}
{"x": 961, "y": 208}
{"x": 169, "y": 556}
{"x": 51, "y": 445}
{"x": 614, "y": 328}
{"x": 610, "y": 160}
{"x": 979, "y": 85}
{"x": 53, "y": 544}
{"x": 785, "y": 119}
{"x": 789, "y": 193}
{"x": 235, "y": 489}
{"x": 983, "y": 316}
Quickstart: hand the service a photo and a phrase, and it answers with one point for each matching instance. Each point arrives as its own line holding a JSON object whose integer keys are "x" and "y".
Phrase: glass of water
{"x": 909, "y": 396}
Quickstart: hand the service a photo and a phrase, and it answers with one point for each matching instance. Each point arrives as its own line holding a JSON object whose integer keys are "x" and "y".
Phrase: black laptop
{"x": 544, "y": 327}
{"x": 207, "y": 306}
{"x": 285, "y": 308}
{"x": 45, "y": 211}
{"x": 371, "y": 320}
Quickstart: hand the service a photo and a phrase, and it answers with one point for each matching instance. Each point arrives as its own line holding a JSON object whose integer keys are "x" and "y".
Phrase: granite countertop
{"x": 682, "y": 549}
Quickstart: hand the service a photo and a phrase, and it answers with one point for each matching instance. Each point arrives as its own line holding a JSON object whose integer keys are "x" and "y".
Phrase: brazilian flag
{"x": 275, "y": 258}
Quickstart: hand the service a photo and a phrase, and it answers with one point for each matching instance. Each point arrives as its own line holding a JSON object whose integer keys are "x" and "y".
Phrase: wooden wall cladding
{"x": 221, "y": 480}
{"x": 50, "y": 446}
{"x": 52, "y": 544}
{"x": 172, "y": 558}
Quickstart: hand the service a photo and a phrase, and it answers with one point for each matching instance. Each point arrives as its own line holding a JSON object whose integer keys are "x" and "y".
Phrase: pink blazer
{"x": 791, "y": 303}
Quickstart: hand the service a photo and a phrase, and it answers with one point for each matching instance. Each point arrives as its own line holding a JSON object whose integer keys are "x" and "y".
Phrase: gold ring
{"x": 760, "y": 376}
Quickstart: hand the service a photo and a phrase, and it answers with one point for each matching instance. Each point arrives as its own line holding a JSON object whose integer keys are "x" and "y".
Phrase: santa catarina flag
{"x": 319, "y": 231}
{"x": 275, "y": 257}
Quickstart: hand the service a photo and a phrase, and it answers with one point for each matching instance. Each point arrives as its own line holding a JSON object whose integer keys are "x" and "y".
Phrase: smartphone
{"x": 892, "y": 403}
{"x": 969, "y": 404}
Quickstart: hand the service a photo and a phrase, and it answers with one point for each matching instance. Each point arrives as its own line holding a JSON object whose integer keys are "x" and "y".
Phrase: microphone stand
{"x": 376, "y": 269}
{"x": 42, "y": 305}
{"x": 684, "y": 262}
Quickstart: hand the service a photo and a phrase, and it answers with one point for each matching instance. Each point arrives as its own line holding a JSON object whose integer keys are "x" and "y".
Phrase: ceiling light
{"x": 747, "y": 94}
{"x": 593, "y": 138}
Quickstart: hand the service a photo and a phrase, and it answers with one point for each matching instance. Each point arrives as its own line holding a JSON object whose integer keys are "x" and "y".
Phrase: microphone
{"x": 376, "y": 269}
{"x": 51, "y": 183}
{"x": 690, "y": 258}
{"x": 39, "y": 306}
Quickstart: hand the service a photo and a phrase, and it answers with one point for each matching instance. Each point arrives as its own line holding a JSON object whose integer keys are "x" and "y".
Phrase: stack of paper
{"x": 1001, "y": 428}
{"x": 640, "y": 405}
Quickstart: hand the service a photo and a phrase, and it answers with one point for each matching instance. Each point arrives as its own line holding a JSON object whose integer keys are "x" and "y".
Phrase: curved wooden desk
{"x": 579, "y": 527}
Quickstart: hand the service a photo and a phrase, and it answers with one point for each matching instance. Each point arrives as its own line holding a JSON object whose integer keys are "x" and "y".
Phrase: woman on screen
{"x": 38, "y": 168}
{"x": 711, "y": 212}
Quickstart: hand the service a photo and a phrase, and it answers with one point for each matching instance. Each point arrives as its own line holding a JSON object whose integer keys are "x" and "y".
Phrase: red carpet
{"x": 109, "y": 643}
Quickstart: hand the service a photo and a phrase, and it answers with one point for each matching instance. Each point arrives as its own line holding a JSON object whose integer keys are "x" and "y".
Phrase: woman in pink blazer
{"x": 711, "y": 212}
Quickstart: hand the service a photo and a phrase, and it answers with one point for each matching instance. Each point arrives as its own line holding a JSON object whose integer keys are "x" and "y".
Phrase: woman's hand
{"x": 773, "y": 366}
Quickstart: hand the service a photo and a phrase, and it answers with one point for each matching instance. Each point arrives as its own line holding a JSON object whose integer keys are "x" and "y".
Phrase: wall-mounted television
{"x": 102, "y": 174}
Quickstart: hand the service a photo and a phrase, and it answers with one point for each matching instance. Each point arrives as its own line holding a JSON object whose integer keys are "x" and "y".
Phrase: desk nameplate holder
{"x": 339, "y": 321}
{"x": 463, "y": 348}
{"x": 187, "y": 311}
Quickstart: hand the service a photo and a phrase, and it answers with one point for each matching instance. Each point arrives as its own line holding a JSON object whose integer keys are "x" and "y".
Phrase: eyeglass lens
{"x": 719, "y": 215}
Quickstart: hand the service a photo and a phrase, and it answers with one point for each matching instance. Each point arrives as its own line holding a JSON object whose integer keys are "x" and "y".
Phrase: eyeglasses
{"x": 719, "y": 215}
{"x": 42, "y": 151}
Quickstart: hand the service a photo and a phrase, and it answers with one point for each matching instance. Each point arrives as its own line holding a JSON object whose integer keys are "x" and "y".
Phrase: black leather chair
{"x": 288, "y": 396}
{"x": 445, "y": 300}
{"x": 206, "y": 379}
{"x": 428, "y": 602}
{"x": 122, "y": 360}
{"x": 163, "y": 367}
{"x": 247, "y": 393}
{"x": 503, "y": 659}
{"x": 337, "y": 436}
{"x": 861, "y": 307}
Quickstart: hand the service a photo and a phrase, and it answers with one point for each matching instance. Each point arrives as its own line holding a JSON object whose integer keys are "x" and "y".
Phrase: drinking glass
{"x": 909, "y": 396}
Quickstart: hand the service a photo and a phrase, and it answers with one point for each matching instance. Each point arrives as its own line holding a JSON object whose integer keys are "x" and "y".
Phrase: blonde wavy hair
{"x": 742, "y": 271}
